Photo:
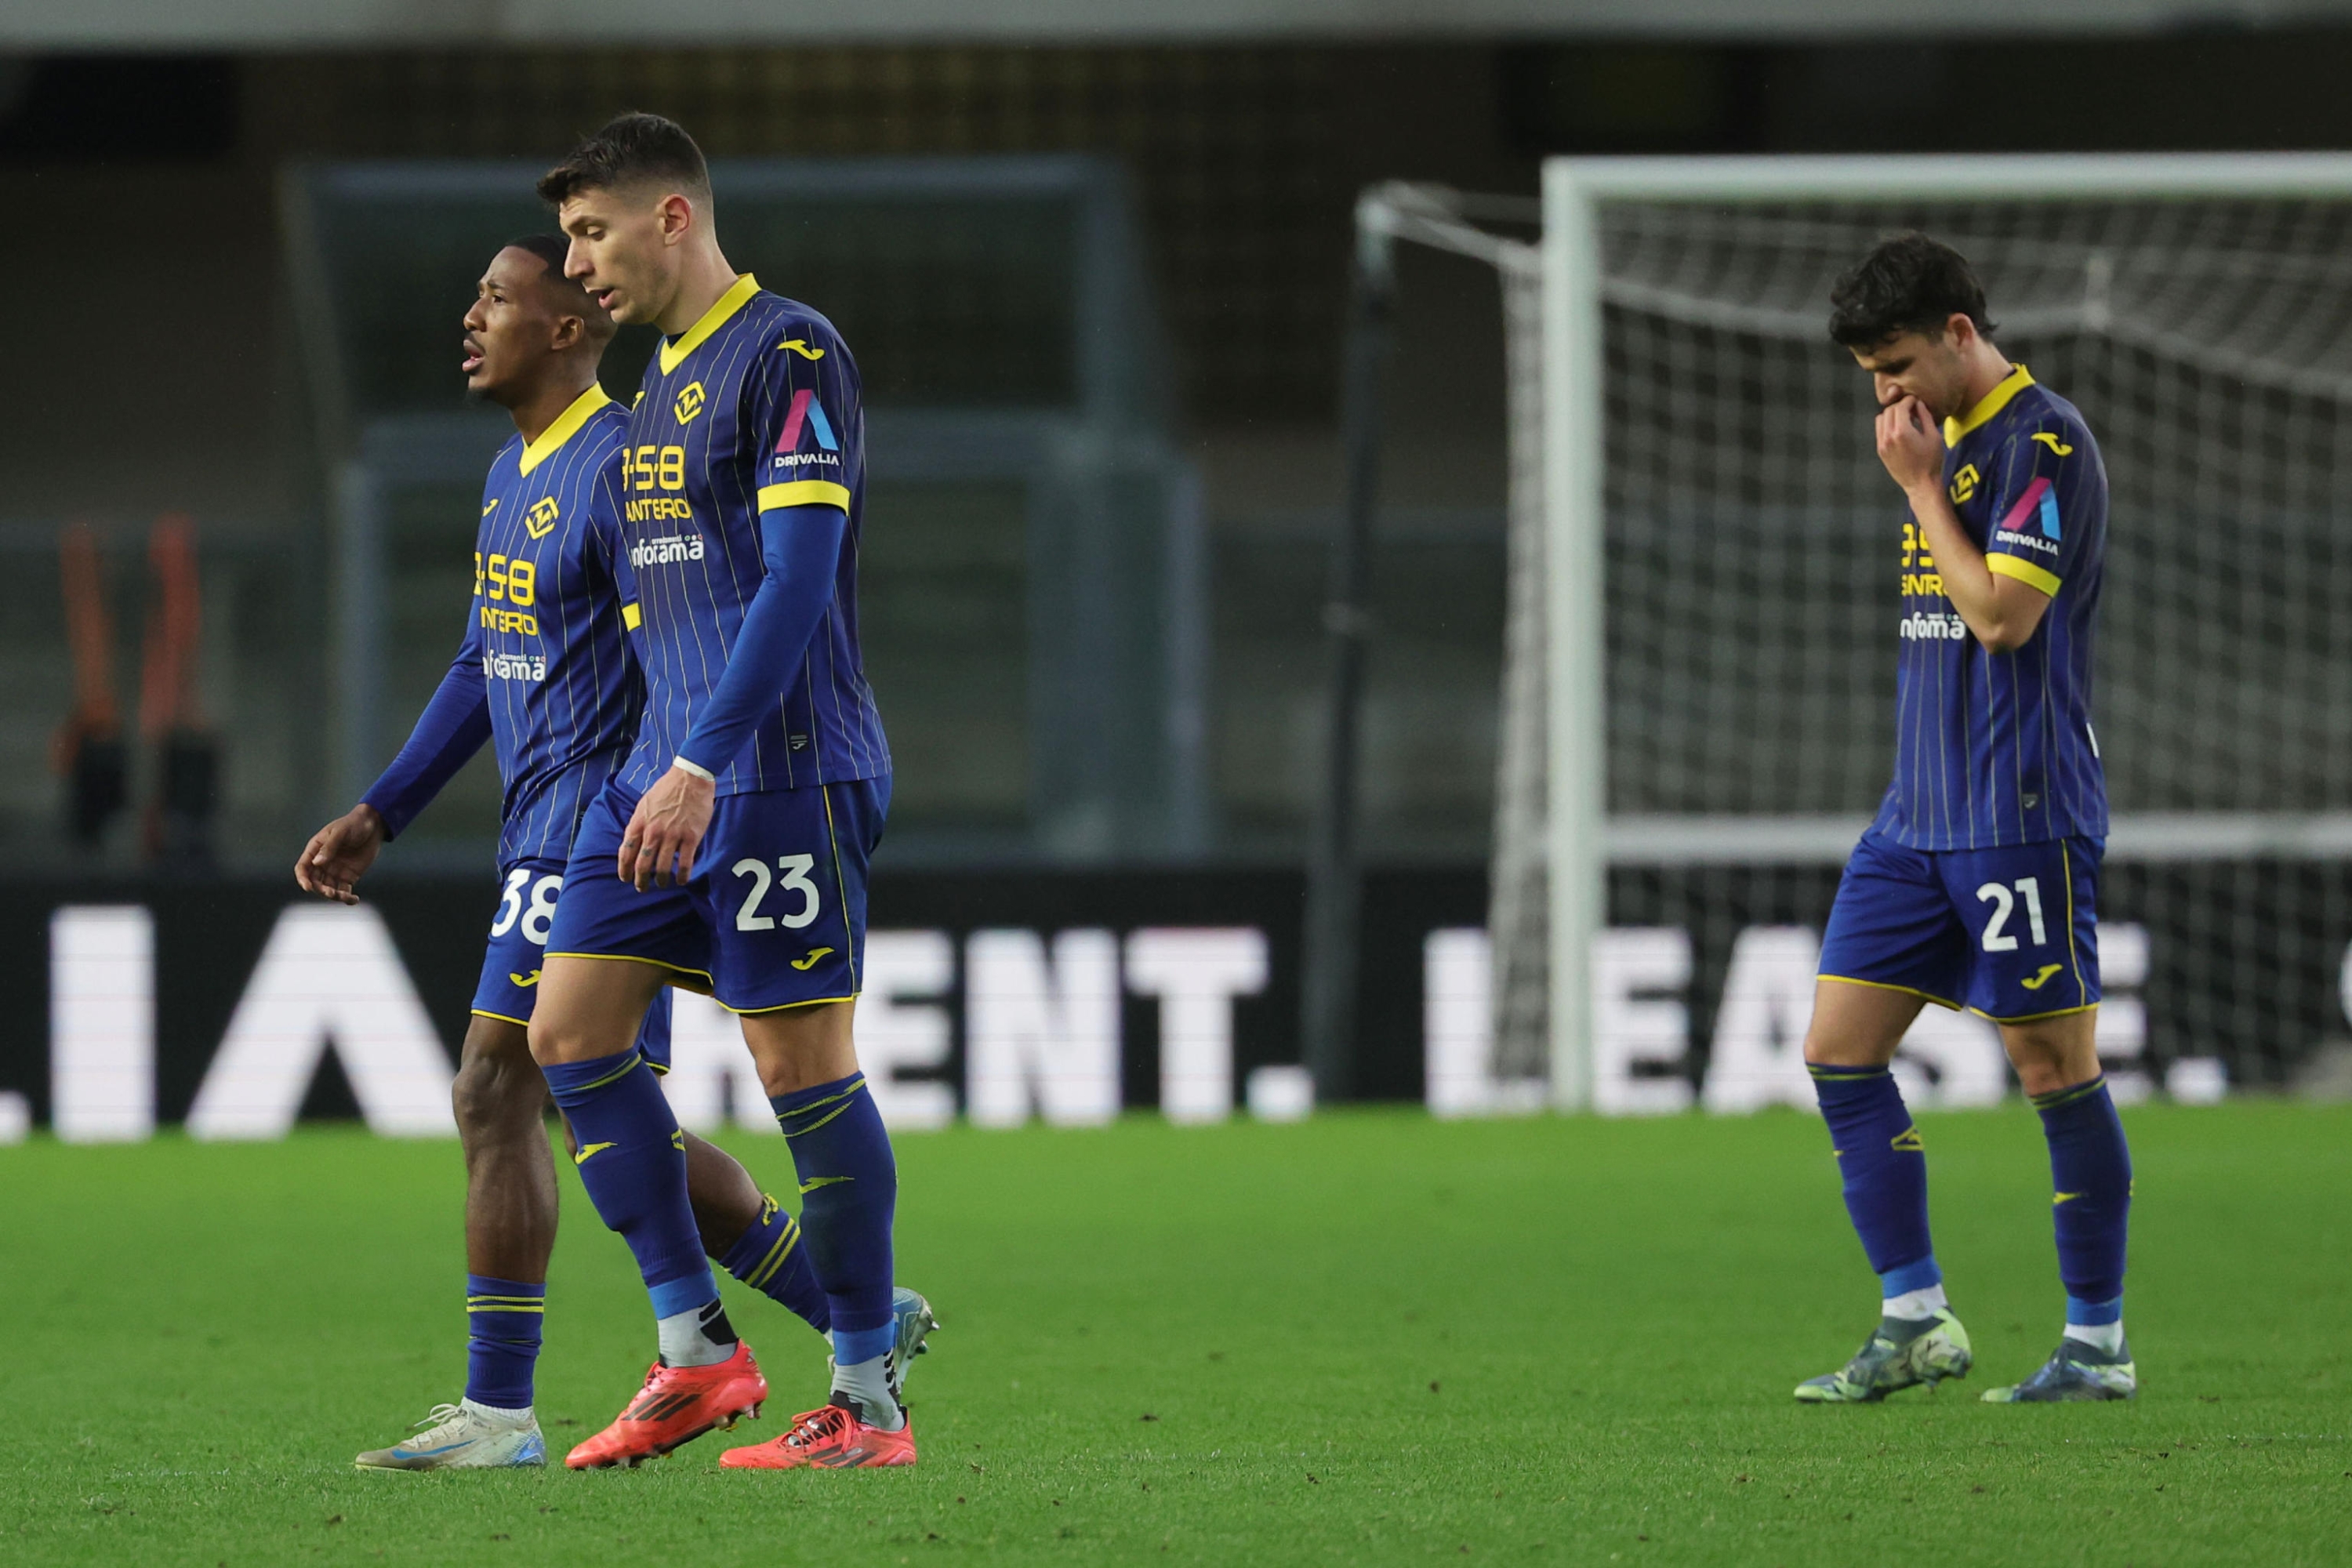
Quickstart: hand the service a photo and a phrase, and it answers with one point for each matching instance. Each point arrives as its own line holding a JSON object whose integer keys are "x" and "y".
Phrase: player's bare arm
{"x": 1922, "y": 377}
{"x": 340, "y": 854}
{"x": 2001, "y": 611}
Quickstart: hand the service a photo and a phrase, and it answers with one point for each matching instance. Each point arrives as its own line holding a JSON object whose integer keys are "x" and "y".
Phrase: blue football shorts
{"x": 529, "y": 893}
{"x": 775, "y": 915}
{"x": 2011, "y": 933}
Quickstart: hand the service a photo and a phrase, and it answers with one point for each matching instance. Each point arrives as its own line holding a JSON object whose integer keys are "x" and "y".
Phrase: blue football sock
{"x": 1886, "y": 1171}
{"x": 502, "y": 1324}
{"x": 632, "y": 1160}
{"x": 849, "y": 1191}
{"x": 2091, "y": 1175}
{"x": 770, "y": 1258}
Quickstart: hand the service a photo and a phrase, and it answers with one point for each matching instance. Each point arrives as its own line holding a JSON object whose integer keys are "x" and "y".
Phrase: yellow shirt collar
{"x": 2018, "y": 379}
{"x": 712, "y": 319}
{"x": 567, "y": 424}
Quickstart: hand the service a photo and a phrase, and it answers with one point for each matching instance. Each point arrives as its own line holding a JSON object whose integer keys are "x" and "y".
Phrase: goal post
{"x": 1718, "y": 723}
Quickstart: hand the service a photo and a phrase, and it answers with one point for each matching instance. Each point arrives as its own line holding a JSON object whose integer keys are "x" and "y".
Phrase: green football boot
{"x": 1900, "y": 1353}
{"x": 2074, "y": 1370}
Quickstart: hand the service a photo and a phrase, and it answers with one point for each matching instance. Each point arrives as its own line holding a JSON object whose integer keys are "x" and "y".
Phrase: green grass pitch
{"x": 1370, "y": 1338}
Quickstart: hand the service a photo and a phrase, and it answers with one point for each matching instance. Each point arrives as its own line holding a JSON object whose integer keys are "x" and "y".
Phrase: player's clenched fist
{"x": 338, "y": 854}
{"x": 658, "y": 847}
{"x": 1910, "y": 443}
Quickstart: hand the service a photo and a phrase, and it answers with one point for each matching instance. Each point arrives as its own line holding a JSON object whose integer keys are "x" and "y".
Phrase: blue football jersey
{"x": 756, "y": 407}
{"x": 550, "y": 610}
{"x": 1995, "y": 748}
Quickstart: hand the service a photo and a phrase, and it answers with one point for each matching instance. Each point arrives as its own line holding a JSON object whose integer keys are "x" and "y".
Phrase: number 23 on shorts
{"x": 752, "y": 914}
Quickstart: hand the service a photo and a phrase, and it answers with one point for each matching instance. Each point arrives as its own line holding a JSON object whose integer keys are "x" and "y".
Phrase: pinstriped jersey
{"x": 756, "y": 407}
{"x": 1995, "y": 748}
{"x": 551, "y": 595}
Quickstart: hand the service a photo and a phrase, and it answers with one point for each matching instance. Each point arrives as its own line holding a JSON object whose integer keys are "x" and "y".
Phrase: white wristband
{"x": 697, "y": 768}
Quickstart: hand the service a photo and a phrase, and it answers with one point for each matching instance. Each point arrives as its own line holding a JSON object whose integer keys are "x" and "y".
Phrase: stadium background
{"x": 1369, "y": 1335}
{"x": 167, "y": 371}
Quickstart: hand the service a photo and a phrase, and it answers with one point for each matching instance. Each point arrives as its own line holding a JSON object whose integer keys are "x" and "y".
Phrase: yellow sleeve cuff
{"x": 2026, "y": 572}
{"x": 808, "y": 493}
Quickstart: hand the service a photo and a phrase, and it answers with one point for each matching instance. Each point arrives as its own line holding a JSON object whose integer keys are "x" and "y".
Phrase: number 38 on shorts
{"x": 529, "y": 893}
{"x": 2010, "y": 932}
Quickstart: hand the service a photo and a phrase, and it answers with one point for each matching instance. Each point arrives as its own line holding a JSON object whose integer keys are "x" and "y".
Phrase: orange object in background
{"x": 178, "y": 819}
{"x": 87, "y": 750}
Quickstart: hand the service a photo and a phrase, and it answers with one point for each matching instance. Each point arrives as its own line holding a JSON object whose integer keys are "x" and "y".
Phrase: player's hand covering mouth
{"x": 473, "y": 361}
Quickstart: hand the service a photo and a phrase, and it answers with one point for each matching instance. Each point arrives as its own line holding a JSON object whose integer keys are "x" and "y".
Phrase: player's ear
{"x": 569, "y": 330}
{"x": 677, "y": 215}
{"x": 1959, "y": 329}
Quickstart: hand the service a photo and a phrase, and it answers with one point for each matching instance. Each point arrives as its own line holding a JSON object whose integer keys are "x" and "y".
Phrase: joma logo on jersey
{"x": 1965, "y": 482}
{"x": 540, "y": 520}
{"x": 800, "y": 346}
{"x": 689, "y": 402}
{"x": 807, "y": 413}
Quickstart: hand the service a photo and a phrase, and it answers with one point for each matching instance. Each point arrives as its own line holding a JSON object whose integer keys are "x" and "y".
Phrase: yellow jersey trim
{"x": 567, "y": 424}
{"x": 633, "y": 615}
{"x": 1882, "y": 986}
{"x": 2033, "y": 1018}
{"x": 804, "y": 492}
{"x": 734, "y": 299}
{"x": 786, "y": 1007}
{"x": 2026, "y": 572}
{"x": 501, "y": 1018}
{"x": 701, "y": 974}
{"x": 2018, "y": 379}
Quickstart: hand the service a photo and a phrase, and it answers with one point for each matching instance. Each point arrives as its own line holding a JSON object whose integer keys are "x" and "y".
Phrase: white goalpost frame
{"x": 1581, "y": 837}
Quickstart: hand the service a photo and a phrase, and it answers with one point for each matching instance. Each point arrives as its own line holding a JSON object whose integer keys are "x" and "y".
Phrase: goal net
{"x": 1712, "y": 709}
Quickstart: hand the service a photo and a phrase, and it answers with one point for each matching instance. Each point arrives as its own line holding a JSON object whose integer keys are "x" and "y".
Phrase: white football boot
{"x": 465, "y": 1437}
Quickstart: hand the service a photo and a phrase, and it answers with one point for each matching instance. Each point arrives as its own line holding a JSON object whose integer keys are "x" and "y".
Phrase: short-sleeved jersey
{"x": 551, "y": 598}
{"x": 1995, "y": 748}
{"x": 756, "y": 407}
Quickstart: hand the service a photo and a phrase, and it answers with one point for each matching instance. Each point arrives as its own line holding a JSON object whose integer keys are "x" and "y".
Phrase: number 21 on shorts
{"x": 1997, "y": 937}
{"x": 795, "y": 880}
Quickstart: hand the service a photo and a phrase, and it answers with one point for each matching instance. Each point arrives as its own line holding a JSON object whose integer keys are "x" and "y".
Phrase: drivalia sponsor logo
{"x": 664, "y": 551}
{"x": 806, "y": 414}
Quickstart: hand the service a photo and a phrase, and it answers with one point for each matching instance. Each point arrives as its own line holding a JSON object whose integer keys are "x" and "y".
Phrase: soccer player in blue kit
{"x": 1977, "y": 884}
{"x": 544, "y": 673}
{"x": 732, "y": 847}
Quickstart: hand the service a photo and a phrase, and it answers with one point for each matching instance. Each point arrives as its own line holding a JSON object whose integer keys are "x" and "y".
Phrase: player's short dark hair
{"x": 630, "y": 149}
{"x": 554, "y": 250}
{"x": 550, "y": 249}
{"x": 1909, "y": 283}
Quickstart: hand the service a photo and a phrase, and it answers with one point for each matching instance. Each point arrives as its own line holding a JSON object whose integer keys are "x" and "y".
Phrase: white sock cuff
{"x": 498, "y": 1412}
{"x": 2108, "y": 1337}
{"x": 1913, "y": 1305}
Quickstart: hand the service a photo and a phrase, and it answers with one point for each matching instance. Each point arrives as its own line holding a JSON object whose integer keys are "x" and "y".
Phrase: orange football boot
{"x": 830, "y": 1437}
{"x": 677, "y": 1405}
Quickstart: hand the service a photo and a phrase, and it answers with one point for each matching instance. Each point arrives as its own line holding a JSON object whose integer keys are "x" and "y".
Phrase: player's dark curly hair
{"x": 1909, "y": 283}
{"x": 630, "y": 148}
